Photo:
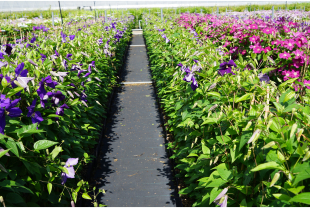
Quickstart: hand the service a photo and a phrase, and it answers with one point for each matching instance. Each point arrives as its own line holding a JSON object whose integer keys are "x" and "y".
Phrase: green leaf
{"x": 86, "y": 196}
{"x": 43, "y": 144}
{"x": 28, "y": 130}
{"x": 296, "y": 190}
{"x": 302, "y": 198}
{"x": 283, "y": 197}
{"x": 205, "y": 150}
{"x": 265, "y": 70}
{"x": 74, "y": 102}
{"x": 244, "y": 138}
{"x": 214, "y": 193}
{"x": 223, "y": 139}
{"x": 14, "y": 198}
{"x": 14, "y": 91}
{"x": 289, "y": 96}
{"x": 55, "y": 152}
{"x": 11, "y": 144}
{"x": 277, "y": 123}
{"x": 305, "y": 174}
{"x": 215, "y": 94}
{"x": 210, "y": 121}
{"x": 216, "y": 183}
{"x": 49, "y": 188}
{"x": 287, "y": 82}
{"x": 4, "y": 152}
{"x": 243, "y": 203}
{"x": 244, "y": 97}
{"x": 225, "y": 174}
{"x": 74, "y": 196}
{"x": 268, "y": 165}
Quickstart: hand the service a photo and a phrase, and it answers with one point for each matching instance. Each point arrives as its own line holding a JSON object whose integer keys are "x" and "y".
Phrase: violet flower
{"x": 263, "y": 77}
{"x": 225, "y": 68}
{"x": 36, "y": 116}
{"x": 221, "y": 199}
{"x": 6, "y": 105}
{"x": 69, "y": 166}
{"x": 71, "y": 37}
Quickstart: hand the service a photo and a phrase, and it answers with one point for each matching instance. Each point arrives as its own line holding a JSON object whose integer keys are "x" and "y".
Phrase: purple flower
{"x": 43, "y": 57}
{"x": 8, "y": 49}
{"x": 49, "y": 82}
{"x": 71, "y": 37}
{"x": 7, "y": 106}
{"x": 190, "y": 76}
{"x": 58, "y": 96}
{"x": 225, "y": 67}
{"x": 63, "y": 36}
{"x": 33, "y": 39}
{"x": 263, "y": 77}
{"x": 221, "y": 199}
{"x": 69, "y": 166}
{"x": 36, "y": 117}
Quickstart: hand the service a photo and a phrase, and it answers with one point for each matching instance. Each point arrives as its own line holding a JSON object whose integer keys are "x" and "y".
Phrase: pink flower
{"x": 286, "y": 74}
{"x": 294, "y": 74}
{"x": 289, "y": 44}
{"x": 254, "y": 39}
{"x": 267, "y": 49}
{"x": 298, "y": 54}
{"x": 286, "y": 29}
{"x": 303, "y": 39}
{"x": 276, "y": 42}
{"x": 284, "y": 55}
{"x": 268, "y": 31}
{"x": 258, "y": 49}
{"x": 307, "y": 83}
{"x": 253, "y": 27}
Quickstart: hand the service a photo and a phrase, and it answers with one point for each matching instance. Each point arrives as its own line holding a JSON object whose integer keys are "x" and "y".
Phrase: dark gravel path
{"x": 133, "y": 165}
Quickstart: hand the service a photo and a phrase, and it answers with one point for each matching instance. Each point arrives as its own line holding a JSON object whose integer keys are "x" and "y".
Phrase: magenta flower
{"x": 284, "y": 55}
{"x": 69, "y": 166}
{"x": 258, "y": 49}
{"x": 254, "y": 39}
{"x": 289, "y": 44}
{"x": 298, "y": 54}
{"x": 268, "y": 30}
{"x": 287, "y": 74}
{"x": 267, "y": 49}
{"x": 294, "y": 74}
{"x": 307, "y": 83}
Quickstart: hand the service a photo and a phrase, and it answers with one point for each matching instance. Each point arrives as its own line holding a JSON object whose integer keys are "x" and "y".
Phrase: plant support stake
{"x": 53, "y": 19}
{"x": 61, "y": 16}
{"x": 161, "y": 14}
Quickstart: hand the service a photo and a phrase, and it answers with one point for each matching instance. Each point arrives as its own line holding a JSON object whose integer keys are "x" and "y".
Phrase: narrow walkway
{"x": 133, "y": 167}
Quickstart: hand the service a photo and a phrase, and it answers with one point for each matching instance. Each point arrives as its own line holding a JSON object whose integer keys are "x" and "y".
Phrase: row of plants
{"x": 240, "y": 133}
{"x": 54, "y": 91}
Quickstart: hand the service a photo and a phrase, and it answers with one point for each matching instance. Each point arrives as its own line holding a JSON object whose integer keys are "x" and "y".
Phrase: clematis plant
{"x": 69, "y": 166}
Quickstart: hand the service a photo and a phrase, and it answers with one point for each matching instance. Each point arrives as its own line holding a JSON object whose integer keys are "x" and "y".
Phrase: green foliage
{"x": 226, "y": 135}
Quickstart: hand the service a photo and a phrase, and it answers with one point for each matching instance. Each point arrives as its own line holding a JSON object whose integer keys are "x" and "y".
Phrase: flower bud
{"x": 280, "y": 156}
{"x": 255, "y": 136}
{"x": 72, "y": 204}
{"x": 299, "y": 133}
{"x": 248, "y": 126}
{"x": 275, "y": 179}
{"x": 270, "y": 144}
{"x": 216, "y": 159}
{"x": 210, "y": 162}
{"x": 269, "y": 124}
{"x": 306, "y": 157}
{"x": 293, "y": 129}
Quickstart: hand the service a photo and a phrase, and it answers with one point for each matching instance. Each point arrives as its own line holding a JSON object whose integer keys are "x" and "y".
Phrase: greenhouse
{"x": 154, "y": 104}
